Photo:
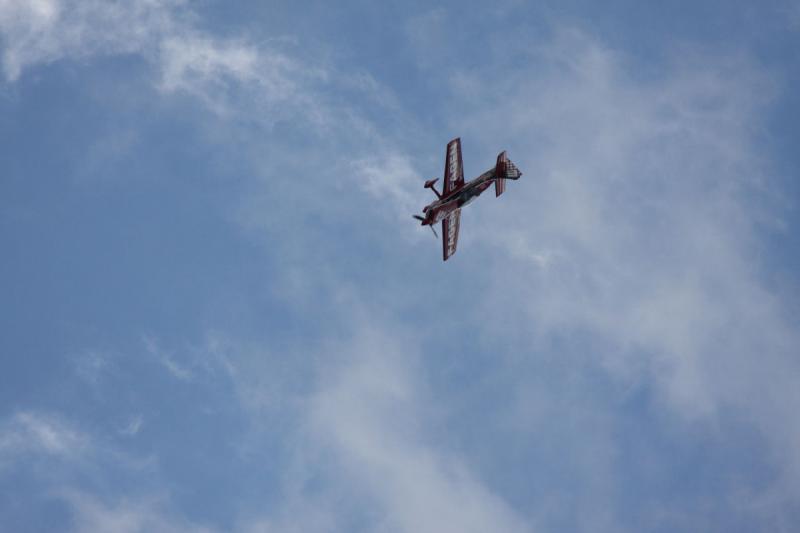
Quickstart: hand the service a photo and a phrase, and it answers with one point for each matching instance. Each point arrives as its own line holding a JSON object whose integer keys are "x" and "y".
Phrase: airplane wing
{"x": 450, "y": 226}
{"x": 453, "y": 171}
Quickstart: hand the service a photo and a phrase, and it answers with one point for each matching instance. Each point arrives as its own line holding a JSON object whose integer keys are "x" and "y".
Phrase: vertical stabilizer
{"x": 500, "y": 172}
{"x": 504, "y": 170}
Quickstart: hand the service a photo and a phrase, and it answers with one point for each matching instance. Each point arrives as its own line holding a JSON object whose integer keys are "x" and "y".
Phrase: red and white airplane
{"x": 457, "y": 194}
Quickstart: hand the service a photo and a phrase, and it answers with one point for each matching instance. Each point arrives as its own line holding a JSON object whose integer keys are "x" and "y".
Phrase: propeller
{"x": 431, "y": 226}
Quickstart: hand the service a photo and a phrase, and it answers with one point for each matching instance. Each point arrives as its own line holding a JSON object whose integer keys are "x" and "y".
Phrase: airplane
{"x": 457, "y": 194}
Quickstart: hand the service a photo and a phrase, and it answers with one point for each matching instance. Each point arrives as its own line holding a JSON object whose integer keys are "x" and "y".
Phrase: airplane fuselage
{"x": 439, "y": 209}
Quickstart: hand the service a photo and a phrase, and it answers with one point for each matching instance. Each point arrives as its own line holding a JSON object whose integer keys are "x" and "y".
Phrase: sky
{"x": 219, "y": 316}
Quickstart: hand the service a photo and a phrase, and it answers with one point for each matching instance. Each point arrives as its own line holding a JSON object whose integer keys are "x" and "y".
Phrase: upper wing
{"x": 453, "y": 171}
{"x": 450, "y": 226}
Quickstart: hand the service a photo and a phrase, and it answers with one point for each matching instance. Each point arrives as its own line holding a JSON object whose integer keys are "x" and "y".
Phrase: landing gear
{"x": 429, "y": 185}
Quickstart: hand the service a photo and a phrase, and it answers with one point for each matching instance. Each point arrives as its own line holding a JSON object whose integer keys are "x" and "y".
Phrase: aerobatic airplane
{"x": 457, "y": 194}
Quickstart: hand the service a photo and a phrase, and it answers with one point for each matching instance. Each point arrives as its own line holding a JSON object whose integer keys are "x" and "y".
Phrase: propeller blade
{"x": 431, "y": 226}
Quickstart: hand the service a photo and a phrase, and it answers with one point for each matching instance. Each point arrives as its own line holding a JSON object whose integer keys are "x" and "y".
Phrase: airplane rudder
{"x": 500, "y": 172}
{"x": 499, "y": 186}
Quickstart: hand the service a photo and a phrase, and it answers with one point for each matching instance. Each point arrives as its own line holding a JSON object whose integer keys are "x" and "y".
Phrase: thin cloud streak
{"x": 33, "y": 433}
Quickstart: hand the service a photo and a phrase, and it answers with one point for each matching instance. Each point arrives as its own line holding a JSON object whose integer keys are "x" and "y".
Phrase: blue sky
{"x": 219, "y": 315}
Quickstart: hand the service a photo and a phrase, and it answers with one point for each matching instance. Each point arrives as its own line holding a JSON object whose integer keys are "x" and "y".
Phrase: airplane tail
{"x": 504, "y": 170}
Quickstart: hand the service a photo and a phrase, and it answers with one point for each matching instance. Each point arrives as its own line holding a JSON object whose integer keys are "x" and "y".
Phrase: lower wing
{"x": 450, "y": 226}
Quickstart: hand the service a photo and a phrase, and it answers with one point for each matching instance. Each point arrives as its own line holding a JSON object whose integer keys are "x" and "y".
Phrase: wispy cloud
{"x": 387, "y": 180}
{"x": 167, "y": 360}
{"x": 133, "y": 426}
{"x": 44, "y": 31}
{"x": 91, "y": 365}
{"x": 632, "y": 234}
{"x": 185, "y": 59}
{"x": 29, "y": 432}
{"x": 648, "y": 199}
{"x": 91, "y": 513}
{"x": 374, "y": 411}
{"x": 234, "y": 77}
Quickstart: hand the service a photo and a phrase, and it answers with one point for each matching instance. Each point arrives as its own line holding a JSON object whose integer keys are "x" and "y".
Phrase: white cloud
{"x": 133, "y": 426}
{"x": 375, "y": 414}
{"x": 35, "y": 433}
{"x": 389, "y": 179}
{"x": 91, "y": 365}
{"x": 167, "y": 359}
{"x": 205, "y": 59}
{"x": 647, "y": 196}
{"x": 186, "y": 60}
{"x": 634, "y": 221}
{"x": 43, "y": 31}
{"x": 127, "y": 515}
{"x": 92, "y": 512}
{"x": 360, "y": 442}
{"x": 38, "y": 436}
{"x": 235, "y": 76}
